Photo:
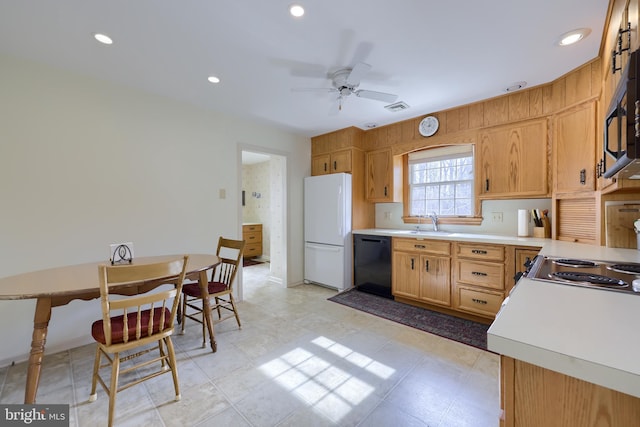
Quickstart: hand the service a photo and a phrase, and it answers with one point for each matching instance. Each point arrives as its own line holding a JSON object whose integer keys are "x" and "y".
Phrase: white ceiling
{"x": 434, "y": 54}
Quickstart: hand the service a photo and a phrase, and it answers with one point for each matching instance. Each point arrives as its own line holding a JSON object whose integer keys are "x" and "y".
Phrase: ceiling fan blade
{"x": 378, "y": 96}
{"x": 357, "y": 73}
{"x": 314, "y": 89}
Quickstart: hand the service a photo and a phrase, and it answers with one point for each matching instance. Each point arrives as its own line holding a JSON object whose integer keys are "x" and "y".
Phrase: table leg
{"x": 38, "y": 339}
{"x": 203, "y": 281}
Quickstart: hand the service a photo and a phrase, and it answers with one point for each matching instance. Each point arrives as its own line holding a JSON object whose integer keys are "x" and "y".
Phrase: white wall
{"x": 85, "y": 163}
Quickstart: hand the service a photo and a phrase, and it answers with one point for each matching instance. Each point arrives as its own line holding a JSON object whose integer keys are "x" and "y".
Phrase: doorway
{"x": 263, "y": 179}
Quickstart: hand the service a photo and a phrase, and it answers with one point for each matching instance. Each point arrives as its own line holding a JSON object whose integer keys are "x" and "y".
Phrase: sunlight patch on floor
{"x": 324, "y": 386}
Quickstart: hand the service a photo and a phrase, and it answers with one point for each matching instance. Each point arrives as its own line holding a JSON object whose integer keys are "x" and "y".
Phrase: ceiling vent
{"x": 398, "y": 106}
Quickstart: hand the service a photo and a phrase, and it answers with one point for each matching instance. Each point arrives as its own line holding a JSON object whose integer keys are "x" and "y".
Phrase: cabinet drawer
{"x": 479, "y": 302}
{"x": 252, "y": 227}
{"x": 252, "y": 249}
{"x": 479, "y": 251}
{"x": 422, "y": 246}
{"x": 252, "y": 237}
{"x": 489, "y": 275}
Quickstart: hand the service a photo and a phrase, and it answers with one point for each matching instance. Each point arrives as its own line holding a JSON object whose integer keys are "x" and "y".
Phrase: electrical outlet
{"x": 387, "y": 215}
{"x": 496, "y": 216}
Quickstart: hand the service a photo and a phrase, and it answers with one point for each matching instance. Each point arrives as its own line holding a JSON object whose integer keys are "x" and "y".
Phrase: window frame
{"x": 474, "y": 219}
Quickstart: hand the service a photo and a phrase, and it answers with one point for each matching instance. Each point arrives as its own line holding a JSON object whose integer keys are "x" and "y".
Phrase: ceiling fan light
{"x": 296, "y": 10}
{"x": 573, "y": 36}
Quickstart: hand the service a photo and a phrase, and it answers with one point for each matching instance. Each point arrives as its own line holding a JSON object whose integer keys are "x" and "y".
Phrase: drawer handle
{"x": 478, "y": 273}
{"x": 420, "y": 246}
{"x": 478, "y": 301}
{"x": 478, "y": 251}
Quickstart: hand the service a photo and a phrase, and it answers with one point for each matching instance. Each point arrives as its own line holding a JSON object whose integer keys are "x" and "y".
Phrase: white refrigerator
{"x": 327, "y": 230}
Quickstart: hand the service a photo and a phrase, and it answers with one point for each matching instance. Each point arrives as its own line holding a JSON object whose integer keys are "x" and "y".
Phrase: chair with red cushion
{"x": 148, "y": 326}
{"x": 220, "y": 287}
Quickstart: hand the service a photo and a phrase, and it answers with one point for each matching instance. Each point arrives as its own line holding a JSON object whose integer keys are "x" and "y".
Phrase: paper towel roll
{"x": 523, "y": 222}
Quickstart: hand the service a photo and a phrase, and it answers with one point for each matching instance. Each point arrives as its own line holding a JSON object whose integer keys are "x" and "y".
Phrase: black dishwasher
{"x": 372, "y": 264}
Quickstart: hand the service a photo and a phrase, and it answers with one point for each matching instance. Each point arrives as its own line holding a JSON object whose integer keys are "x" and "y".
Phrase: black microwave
{"x": 622, "y": 126}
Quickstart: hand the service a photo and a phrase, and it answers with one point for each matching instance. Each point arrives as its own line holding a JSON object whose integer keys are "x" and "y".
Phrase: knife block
{"x": 543, "y": 232}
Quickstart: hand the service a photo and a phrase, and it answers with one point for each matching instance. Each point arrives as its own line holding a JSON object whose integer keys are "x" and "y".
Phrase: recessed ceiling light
{"x": 296, "y": 10}
{"x": 213, "y": 79}
{"x": 573, "y": 36}
{"x": 516, "y": 86}
{"x": 102, "y": 38}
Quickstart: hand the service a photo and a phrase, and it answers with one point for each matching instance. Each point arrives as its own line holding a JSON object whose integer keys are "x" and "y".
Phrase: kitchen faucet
{"x": 434, "y": 219}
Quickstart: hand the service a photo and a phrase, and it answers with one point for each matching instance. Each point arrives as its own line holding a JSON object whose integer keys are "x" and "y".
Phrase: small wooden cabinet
{"x": 479, "y": 272}
{"x": 336, "y": 162}
{"x": 383, "y": 177}
{"x": 422, "y": 270}
{"x": 513, "y": 161}
{"x": 252, "y": 235}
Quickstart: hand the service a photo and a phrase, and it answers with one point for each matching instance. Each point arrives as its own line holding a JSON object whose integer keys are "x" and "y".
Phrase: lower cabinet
{"x": 479, "y": 272}
{"x": 465, "y": 279}
{"x": 422, "y": 270}
{"x": 532, "y": 396}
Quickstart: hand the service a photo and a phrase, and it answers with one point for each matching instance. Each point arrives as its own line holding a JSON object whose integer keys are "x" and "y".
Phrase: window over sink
{"x": 441, "y": 180}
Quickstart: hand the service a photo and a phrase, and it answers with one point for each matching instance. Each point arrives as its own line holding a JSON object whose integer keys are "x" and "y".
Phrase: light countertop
{"x": 590, "y": 334}
{"x": 462, "y": 237}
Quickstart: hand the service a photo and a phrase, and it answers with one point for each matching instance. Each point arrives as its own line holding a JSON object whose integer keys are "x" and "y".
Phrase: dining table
{"x": 55, "y": 287}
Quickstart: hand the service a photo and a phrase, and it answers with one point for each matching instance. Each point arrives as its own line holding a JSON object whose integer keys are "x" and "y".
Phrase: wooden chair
{"x": 220, "y": 287}
{"x": 149, "y": 320}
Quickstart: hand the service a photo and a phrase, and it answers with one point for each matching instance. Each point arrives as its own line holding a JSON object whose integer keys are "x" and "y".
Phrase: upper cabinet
{"x": 339, "y": 161}
{"x": 574, "y": 149}
{"x": 513, "y": 161}
{"x": 383, "y": 176}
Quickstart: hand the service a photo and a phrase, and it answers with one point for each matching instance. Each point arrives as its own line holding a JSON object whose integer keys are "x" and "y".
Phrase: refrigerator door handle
{"x": 324, "y": 247}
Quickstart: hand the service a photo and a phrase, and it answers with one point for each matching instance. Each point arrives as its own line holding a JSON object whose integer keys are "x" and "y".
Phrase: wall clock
{"x": 428, "y": 126}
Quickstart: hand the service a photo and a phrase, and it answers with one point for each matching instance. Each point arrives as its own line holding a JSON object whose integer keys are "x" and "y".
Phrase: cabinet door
{"x": 383, "y": 177}
{"x": 341, "y": 161}
{"x": 320, "y": 164}
{"x": 514, "y": 161}
{"x": 574, "y": 149}
{"x": 435, "y": 280}
{"x": 406, "y": 274}
{"x": 523, "y": 256}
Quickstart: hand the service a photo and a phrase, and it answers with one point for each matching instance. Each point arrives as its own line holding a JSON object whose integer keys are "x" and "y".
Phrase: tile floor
{"x": 298, "y": 360}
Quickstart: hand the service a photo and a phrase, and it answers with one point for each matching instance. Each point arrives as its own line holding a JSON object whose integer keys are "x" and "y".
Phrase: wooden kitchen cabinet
{"x": 534, "y": 396}
{"x": 479, "y": 278}
{"x": 574, "y": 149}
{"x": 336, "y": 162}
{"x": 422, "y": 270}
{"x": 383, "y": 176}
{"x": 513, "y": 161}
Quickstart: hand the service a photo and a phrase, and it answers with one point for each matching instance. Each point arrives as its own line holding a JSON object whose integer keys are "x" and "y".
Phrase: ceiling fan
{"x": 346, "y": 81}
